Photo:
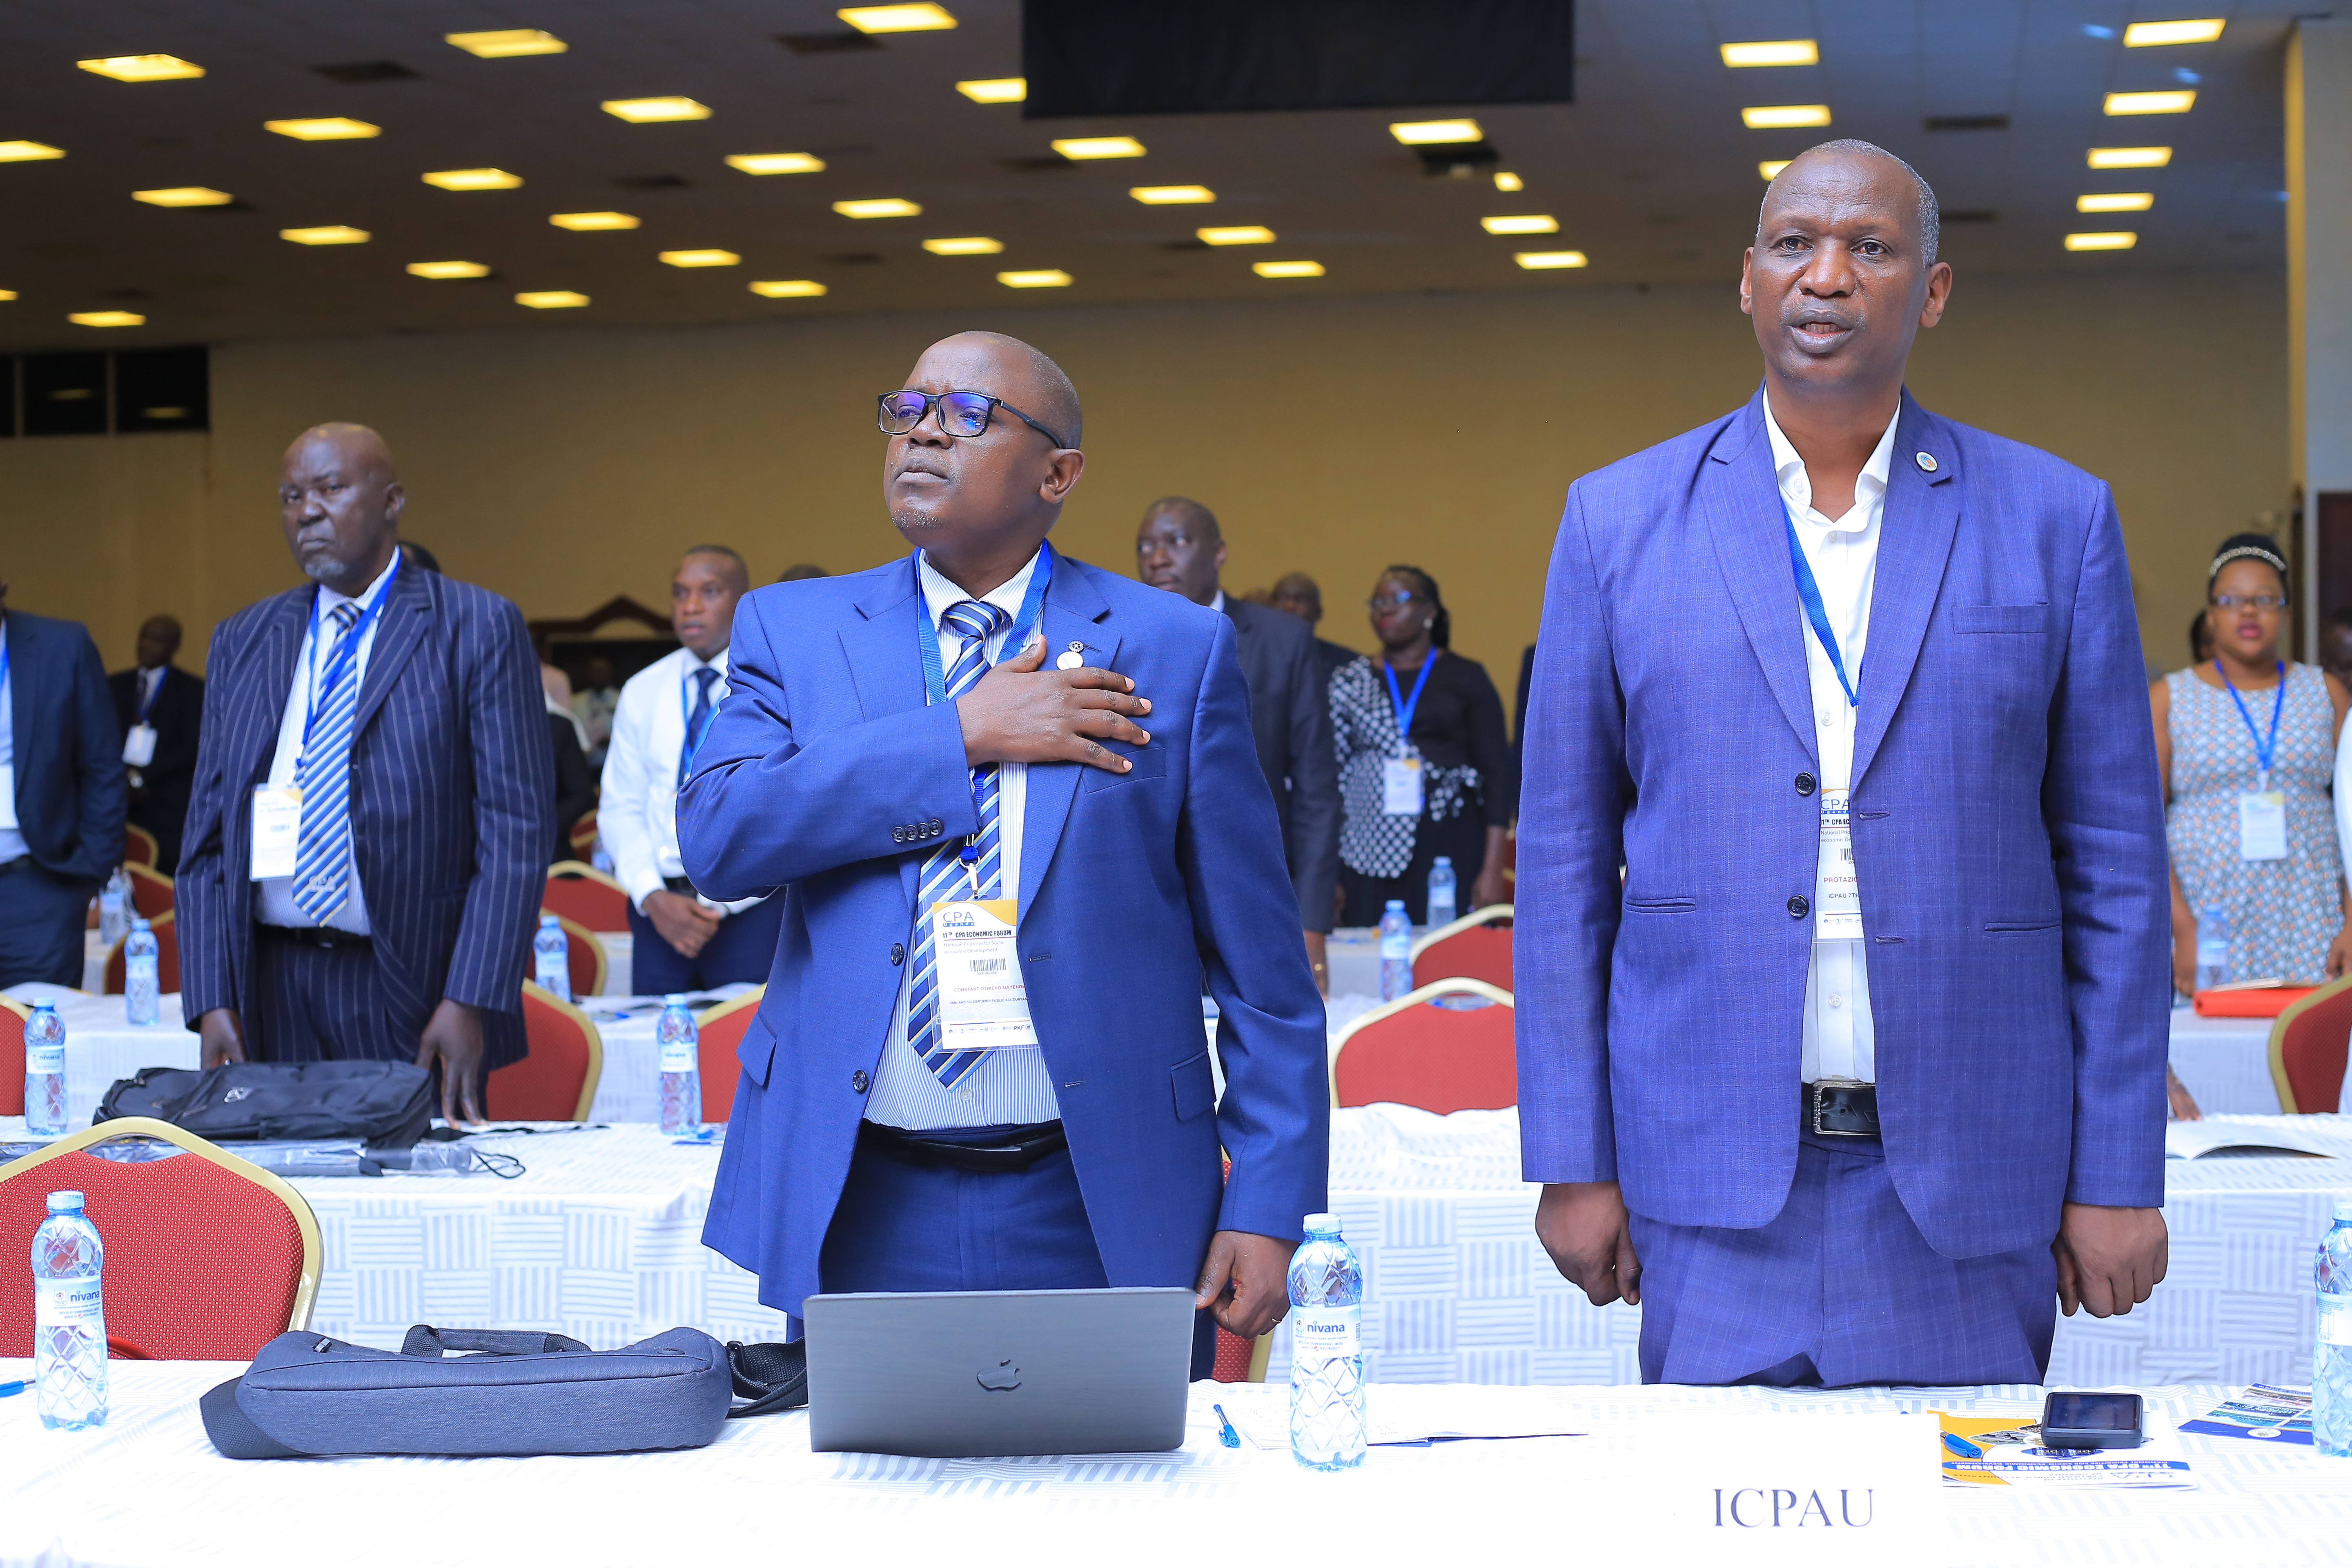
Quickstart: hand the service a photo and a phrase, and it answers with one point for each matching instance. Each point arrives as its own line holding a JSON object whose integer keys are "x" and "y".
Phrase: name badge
{"x": 1837, "y": 894}
{"x": 1400, "y": 786}
{"x": 277, "y": 830}
{"x": 139, "y": 745}
{"x": 2262, "y": 825}
{"x": 983, "y": 1000}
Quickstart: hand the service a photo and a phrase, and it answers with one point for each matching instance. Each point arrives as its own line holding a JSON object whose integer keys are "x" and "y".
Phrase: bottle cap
{"x": 1444, "y": 860}
{"x": 65, "y": 1203}
{"x": 1396, "y": 903}
{"x": 556, "y": 920}
{"x": 45, "y": 1007}
{"x": 1322, "y": 1225}
{"x": 139, "y": 923}
{"x": 2344, "y": 1209}
{"x": 675, "y": 999}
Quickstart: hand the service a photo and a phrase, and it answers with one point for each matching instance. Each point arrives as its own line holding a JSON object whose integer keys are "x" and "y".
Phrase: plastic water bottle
{"x": 551, "y": 957}
{"x": 142, "y": 990}
{"x": 1396, "y": 952}
{"x": 2213, "y": 947}
{"x": 2331, "y": 1361}
{"x": 45, "y": 1072}
{"x": 681, "y": 1068}
{"x": 68, "y": 1318}
{"x": 1441, "y": 892}
{"x": 114, "y": 908}
{"x": 600, "y": 857}
{"x": 1326, "y": 1350}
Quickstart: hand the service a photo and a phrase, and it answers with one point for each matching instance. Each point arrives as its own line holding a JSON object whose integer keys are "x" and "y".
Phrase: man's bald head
{"x": 1927, "y": 234}
{"x": 1049, "y": 398}
{"x": 1196, "y": 519}
{"x": 355, "y": 446}
{"x": 339, "y": 498}
{"x": 1179, "y": 547}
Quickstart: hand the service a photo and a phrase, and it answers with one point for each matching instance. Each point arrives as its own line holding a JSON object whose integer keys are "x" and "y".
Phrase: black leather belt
{"x": 1842, "y": 1110}
{"x": 993, "y": 1149}
{"x": 678, "y": 885}
{"x": 318, "y": 936}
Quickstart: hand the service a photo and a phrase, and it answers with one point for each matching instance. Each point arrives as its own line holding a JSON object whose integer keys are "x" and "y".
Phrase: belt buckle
{"x": 1816, "y": 1092}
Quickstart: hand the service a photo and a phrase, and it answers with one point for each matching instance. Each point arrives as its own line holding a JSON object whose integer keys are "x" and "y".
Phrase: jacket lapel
{"x": 1741, "y": 498}
{"x": 400, "y": 630}
{"x": 270, "y": 686}
{"x": 1915, "y": 542}
{"x": 1072, "y": 609}
{"x": 886, "y": 666}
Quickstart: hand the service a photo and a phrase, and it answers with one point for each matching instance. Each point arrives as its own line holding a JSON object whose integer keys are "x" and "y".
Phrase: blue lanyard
{"x": 927, "y": 631}
{"x": 148, "y": 701}
{"x": 1403, "y": 705}
{"x": 345, "y": 653}
{"x": 2264, "y": 750}
{"x": 1810, "y": 592}
{"x": 3, "y": 666}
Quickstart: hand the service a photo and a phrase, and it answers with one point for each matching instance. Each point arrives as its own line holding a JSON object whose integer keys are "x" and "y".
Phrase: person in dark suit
{"x": 1297, "y": 594}
{"x": 1180, "y": 547}
{"x": 367, "y": 836}
{"x": 168, "y": 703}
{"x": 61, "y": 793}
{"x": 1087, "y": 741}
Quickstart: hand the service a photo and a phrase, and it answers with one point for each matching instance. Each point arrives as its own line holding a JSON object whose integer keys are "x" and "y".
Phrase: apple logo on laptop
{"x": 1002, "y": 1378}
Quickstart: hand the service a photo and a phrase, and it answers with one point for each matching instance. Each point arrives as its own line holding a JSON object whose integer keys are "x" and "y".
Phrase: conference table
{"x": 2225, "y": 1063}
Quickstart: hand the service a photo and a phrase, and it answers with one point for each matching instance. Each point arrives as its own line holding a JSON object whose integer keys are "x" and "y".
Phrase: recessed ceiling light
{"x": 776, "y": 162}
{"x": 337, "y": 129}
{"x": 27, "y": 152}
{"x": 2175, "y": 102}
{"x": 700, "y": 257}
{"x": 878, "y": 206}
{"x": 1167, "y": 195}
{"x": 585, "y": 222}
{"x": 1241, "y": 233}
{"x": 651, "y": 110}
{"x": 790, "y": 288}
{"x": 972, "y": 245}
{"x": 2119, "y": 241}
{"x": 896, "y": 18}
{"x": 1527, "y": 223}
{"x": 1083, "y": 147}
{"x": 1427, "y": 133}
{"x": 1508, "y": 182}
{"x": 505, "y": 43}
{"x": 1287, "y": 268}
{"x": 1783, "y": 52}
{"x": 448, "y": 269}
{"x": 995, "y": 89}
{"x": 2116, "y": 202}
{"x": 2129, "y": 157}
{"x": 1770, "y": 167}
{"x": 106, "y": 319}
{"x": 184, "y": 197}
{"x": 1042, "y": 278}
{"x": 143, "y": 67}
{"x": 8, "y": 293}
{"x": 473, "y": 179}
{"x": 1542, "y": 260}
{"x": 2140, "y": 34}
{"x": 326, "y": 234}
{"x": 1784, "y": 116}
{"x": 551, "y": 299}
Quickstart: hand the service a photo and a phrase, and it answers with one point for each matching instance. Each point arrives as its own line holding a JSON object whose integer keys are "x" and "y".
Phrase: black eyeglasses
{"x": 964, "y": 413}
{"x": 2249, "y": 601}
{"x": 1381, "y": 603}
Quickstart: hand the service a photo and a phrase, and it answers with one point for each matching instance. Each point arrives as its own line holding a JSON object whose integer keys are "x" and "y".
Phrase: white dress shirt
{"x": 1840, "y": 1039}
{"x": 637, "y": 812}
{"x": 275, "y": 906}
{"x": 1013, "y": 1087}
{"x": 12, "y": 842}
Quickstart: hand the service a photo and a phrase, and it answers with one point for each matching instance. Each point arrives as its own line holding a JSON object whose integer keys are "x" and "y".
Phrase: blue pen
{"x": 1962, "y": 1447}
{"x": 1225, "y": 1433}
{"x": 17, "y": 1387}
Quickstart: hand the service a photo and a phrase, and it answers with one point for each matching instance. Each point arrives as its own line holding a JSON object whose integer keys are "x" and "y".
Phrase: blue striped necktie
{"x": 943, "y": 875}
{"x": 322, "y": 847}
{"x": 697, "y": 723}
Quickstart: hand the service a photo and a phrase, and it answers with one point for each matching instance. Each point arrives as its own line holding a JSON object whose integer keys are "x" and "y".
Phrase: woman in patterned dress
{"x": 2287, "y": 911}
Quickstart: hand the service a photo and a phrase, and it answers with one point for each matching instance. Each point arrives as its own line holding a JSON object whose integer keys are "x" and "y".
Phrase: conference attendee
{"x": 1426, "y": 769}
{"x": 593, "y": 705}
{"x": 160, "y": 708}
{"x": 368, "y": 838}
{"x": 2245, "y": 749}
{"x": 1851, "y": 696}
{"x": 801, "y": 574}
{"x": 684, "y": 941}
{"x": 1179, "y": 547}
{"x": 61, "y": 793}
{"x": 1013, "y": 805}
{"x": 574, "y": 784}
{"x": 1295, "y": 593}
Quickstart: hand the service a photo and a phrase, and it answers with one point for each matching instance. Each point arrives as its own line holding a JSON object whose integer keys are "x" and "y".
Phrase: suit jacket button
{"x": 937, "y": 825}
{"x": 898, "y": 952}
{"x": 898, "y": 836}
{"x": 1798, "y": 908}
{"x": 1804, "y": 783}
{"x": 859, "y": 1082}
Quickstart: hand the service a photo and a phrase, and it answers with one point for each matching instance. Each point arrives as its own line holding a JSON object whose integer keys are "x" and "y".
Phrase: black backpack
{"x": 390, "y": 1104}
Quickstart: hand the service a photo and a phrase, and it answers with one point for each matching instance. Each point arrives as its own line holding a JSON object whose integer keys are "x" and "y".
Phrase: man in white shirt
{"x": 684, "y": 941}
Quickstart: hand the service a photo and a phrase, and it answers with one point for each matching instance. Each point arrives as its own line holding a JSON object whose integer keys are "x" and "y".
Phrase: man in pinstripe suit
{"x": 367, "y": 836}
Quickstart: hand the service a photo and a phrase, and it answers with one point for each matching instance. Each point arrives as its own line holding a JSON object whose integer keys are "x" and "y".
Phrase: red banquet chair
{"x": 578, "y": 891}
{"x": 167, "y": 957}
{"x": 1444, "y": 1047}
{"x": 718, "y": 1032}
{"x": 151, "y": 892}
{"x": 1475, "y": 947}
{"x": 207, "y": 1258}
{"x": 583, "y": 838}
{"x": 2307, "y": 1049}
{"x": 14, "y": 1016}
{"x": 138, "y": 845}
{"x": 557, "y": 1080}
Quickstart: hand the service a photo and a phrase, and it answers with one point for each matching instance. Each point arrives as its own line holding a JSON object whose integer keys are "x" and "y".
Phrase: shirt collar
{"x": 716, "y": 662}
{"x": 939, "y": 595}
{"x": 1218, "y": 604}
{"x": 1789, "y": 470}
{"x": 329, "y": 598}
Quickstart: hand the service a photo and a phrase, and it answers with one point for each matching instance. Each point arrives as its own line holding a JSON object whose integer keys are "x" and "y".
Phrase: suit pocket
{"x": 1997, "y": 927}
{"x": 1196, "y": 1088}
{"x": 2011, "y": 618}
{"x": 757, "y": 1052}
{"x": 1150, "y": 762}
{"x": 1661, "y": 906}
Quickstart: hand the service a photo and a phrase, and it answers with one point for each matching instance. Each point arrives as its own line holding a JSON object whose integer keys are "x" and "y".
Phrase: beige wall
{"x": 563, "y": 465}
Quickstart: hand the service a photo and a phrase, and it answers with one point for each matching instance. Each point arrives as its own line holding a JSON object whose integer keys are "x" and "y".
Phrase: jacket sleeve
{"x": 1314, "y": 789}
{"x": 514, "y": 812}
{"x": 1571, "y": 843}
{"x": 105, "y": 790}
{"x": 2102, "y": 806}
{"x": 200, "y": 890}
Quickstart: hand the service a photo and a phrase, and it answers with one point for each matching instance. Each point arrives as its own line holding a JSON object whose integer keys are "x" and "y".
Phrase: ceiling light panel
{"x": 1435, "y": 133}
{"x": 878, "y": 206}
{"x": 1287, "y": 268}
{"x": 1784, "y": 116}
{"x": 776, "y": 162}
{"x": 183, "y": 196}
{"x": 995, "y": 89}
{"x": 551, "y": 299}
{"x": 107, "y": 319}
{"x": 654, "y": 111}
{"x": 1041, "y": 277}
{"x": 447, "y": 269}
{"x": 2129, "y": 157}
{"x": 590, "y": 223}
{"x": 143, "y": 67}
{"x": 2118, "y": 241}
{"x": 327, "y": 234}
{"x": 1546, "y": 260}
{"x": 1781, "y": 52}
{"x": 2174, "y": 103}
{"x": 789, "y": 288}
{"x": 700, "y": 257}
{"x": 472, "y": 179}
{"x": 897, "y": 18}
{"x": 336, "y": 129}
{"x": 506, "y": 43}
{"x": 970, "y": 245}
{"x": 27, "y": 152}
{"x": 1084, "y": 147}
{"x": 1526, "y": 223}
{"x": 1239, "y": 234}
{"x": 2115, "y": 202}
{"x": 8, "y": 293}
{"x": 1167, "y": 195}
{"x": 1508, "y": 183}
{"x": 2141, "y": 35}
{"x": 1770, "y": 167}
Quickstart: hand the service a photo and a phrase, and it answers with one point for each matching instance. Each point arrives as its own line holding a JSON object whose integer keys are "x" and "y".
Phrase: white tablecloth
{"x": 620, "y": 951}
{"x": 147, "y": 1488}
{"x": 2225, "y": 1063}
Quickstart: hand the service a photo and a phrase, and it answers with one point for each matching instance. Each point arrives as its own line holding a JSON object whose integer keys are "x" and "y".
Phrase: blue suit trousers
{"x": 741, "y": 948}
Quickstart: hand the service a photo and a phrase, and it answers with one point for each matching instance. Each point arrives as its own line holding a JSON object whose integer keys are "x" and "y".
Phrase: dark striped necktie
{"x": 944, "y": 873}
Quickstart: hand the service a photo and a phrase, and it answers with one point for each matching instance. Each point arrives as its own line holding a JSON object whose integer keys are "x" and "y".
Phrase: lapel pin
{"x": 1927, "y": 461}
{"x": 1072, "y": 656}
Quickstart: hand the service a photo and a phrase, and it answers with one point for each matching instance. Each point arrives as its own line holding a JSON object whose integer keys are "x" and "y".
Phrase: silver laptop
{"x": 974, "y": 1373}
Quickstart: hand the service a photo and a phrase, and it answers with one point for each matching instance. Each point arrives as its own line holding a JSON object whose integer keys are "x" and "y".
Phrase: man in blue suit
{"x": 1014, "y": 808}
{"x": 1854, "y": 695}
{"x": 367, "y": 839}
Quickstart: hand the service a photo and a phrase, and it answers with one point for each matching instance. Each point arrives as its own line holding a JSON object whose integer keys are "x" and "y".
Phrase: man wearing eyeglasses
{"x": 1014, "y": 809}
